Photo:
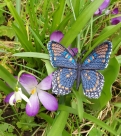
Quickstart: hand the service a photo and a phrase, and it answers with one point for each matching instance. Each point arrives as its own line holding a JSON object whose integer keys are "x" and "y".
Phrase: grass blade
{"x": 59, "y": 124}
{"x": 58, "y": 15}
{"x": 32, "y": 54}
{"x": 89, "y": 117}
{"x": 79, "y": 24}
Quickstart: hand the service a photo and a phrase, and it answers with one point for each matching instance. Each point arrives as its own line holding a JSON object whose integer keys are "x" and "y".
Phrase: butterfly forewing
{"x": 63, "y": 80}
{"x": 92, "y": 82}
{"x": 98, "y": 59}
{"x": 60, "y": 56}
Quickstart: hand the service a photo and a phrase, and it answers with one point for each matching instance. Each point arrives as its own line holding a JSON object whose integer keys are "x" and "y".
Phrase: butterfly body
{"x": 69, "y": 70}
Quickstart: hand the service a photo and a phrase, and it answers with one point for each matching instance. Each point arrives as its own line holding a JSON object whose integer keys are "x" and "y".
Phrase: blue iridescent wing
{"x": 63, "y": 80}
{"x": 60, "y": 56}
{"x": 92, "y": 82}
{"x": 98, "y": 59}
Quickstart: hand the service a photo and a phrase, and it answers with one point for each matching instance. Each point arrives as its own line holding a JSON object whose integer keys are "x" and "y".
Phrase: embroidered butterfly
{"x": 69, "y": 69}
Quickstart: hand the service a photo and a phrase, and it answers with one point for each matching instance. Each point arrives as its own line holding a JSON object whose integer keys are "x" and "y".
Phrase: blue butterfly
{"x": 69, "y": 69}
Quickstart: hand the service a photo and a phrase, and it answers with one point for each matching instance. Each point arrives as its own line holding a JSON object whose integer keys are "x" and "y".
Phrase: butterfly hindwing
{"x": 92, "y": 82}
{"x": 60, "y": 56}
{"x": 98, "y": 59}
{"x": 63, "y": 80}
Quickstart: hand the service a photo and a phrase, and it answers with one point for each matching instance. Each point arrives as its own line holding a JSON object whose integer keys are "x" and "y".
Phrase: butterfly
{"x": 69, "y": 70}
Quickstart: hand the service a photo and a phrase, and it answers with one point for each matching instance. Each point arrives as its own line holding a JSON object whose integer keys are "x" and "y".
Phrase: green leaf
{"x": 95, "y": 132}
{"x": 49, "y": 67}
{"x": 103, "y": 37}
{"x": 2, "y": 51}
{"x": 26, "y": 123}
{"x": 32, "y": 54}
{"x": 2, "y": 17}
{"x": 46, "y": 117}
{"x": 110, "y": 75}
{"x": 100, "y": 123}
{"x": 16, "y": 17}
{"x": 4, "y": 127}
{"x": 67, "y": 109}
{"x": 19, "y": 28}
{"x": 46, "y": 8}
{"x": 79, "y": 105}
{"x": 76, "y": 5}
{"x": 10, "y": 128}
{"x": 88, "y": 117}
{"x": 118, "y": 59}
{"x": 7, "y": 31}
{"x": 2, "y": 5}
{"x": 3, "y": 87}
{"x": 9, "y": 79}
{"x": 117, "y": 105}
{"x": 116, "y": 42}
{"x": 106, "y": 32}
{"x": 27, "y": 45}
{"x": 39, "y": 41}
{"x": 59, "y": 124}
{"x": 50, "y": 121}
{"x": 64, "y": 23}
{"x": 81, "y": 21}
{"x": 58, "y": 15}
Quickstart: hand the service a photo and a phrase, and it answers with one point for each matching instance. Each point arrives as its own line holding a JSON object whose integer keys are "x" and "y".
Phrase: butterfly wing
{"x": 63, "y": 80}
{"x": 98, "y": 59}
{"x": 92, "y": 82}
{"x": 60, "y": 56}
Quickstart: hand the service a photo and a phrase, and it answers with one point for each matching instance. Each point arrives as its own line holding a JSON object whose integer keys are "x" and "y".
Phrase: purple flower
{"x": 37, "y": 92}
{"x": 73, "y": 51}
{"x": 116, "y": 20}
{"x": 115, "y": 11}
{"x": 57, "y": 36}
{"x": 102, "y": 7}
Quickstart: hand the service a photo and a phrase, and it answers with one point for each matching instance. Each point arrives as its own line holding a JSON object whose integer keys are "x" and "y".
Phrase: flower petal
{"x": 23, "y": 97}
{"x": 115, "y": 11}
{"x": 18, "y": 96}
{"x": 11, "y": 100}
{"x": 34, "y": 108}
{"x": 73, "y": 51}
{"x": 45, "y": 84}
{"x": 98, "y": 12}
{"x": 104, "y": 4}
{"x": 116, "y": 20}
{"x": 48, "y": 101}
{"x": 56, "y": 36}
{"x": 102, "y": 7}
{"x": 7, "y": 98}
{"x": 28, "y": 81}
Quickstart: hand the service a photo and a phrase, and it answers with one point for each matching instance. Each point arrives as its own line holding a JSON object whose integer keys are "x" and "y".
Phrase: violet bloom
{"x": 115, "y": 11}
{"x": 116, "y": 20}
{"x": 57, "y": 36}
{"x": 102, "y": 7}
{"x": 29, "y": 82}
